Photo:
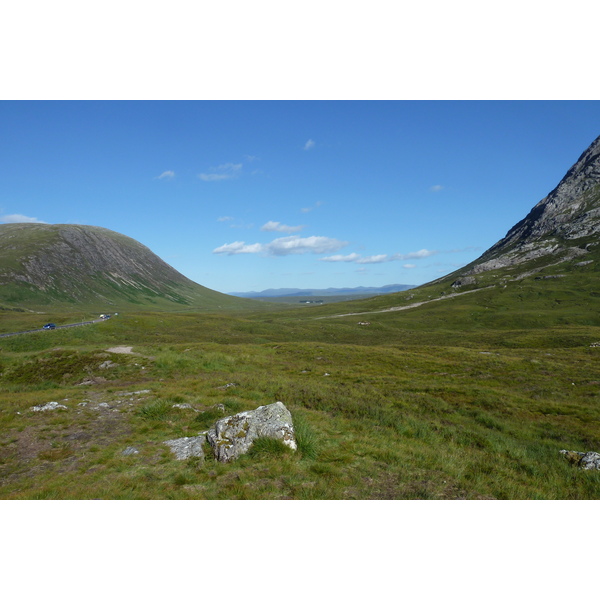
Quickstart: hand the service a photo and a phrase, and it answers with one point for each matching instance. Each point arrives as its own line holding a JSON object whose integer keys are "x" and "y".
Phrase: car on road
{"x": 50, "y": 326}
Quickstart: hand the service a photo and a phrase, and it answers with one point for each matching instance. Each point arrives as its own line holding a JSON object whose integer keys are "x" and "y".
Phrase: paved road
{"x": 57, "y": 327}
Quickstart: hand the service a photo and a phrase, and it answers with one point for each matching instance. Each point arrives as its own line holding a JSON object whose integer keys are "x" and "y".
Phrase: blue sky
{"x": 249, "y": 195}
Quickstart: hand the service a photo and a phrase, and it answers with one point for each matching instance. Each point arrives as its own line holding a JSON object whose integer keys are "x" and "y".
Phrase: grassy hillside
{"x": 74, "y": 268}
{"x": 466, "y": 396}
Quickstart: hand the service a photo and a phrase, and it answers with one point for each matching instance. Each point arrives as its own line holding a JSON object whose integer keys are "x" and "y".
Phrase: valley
{"x": 468, "y": 387}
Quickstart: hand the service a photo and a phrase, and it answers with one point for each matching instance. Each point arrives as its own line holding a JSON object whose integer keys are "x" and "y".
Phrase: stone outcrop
{"x": 233, "y": 436}
{"x": 584, "y": 460}
{"x": 464, "y": 281}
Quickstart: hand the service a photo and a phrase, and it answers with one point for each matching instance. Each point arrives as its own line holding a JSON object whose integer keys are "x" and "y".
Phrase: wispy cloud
{"x": 226, "y": 171}
{"x": 238, "y": 248}
{"x": 309, "y": 144}
{"x": 19, "y": 219}
{"x": 223, "y": 219}
{"x": 436, "y": 188}
{"x": 378, "y": 258}
{"x": 412, "y": 255}
{"x": 309, "y": 208}
{"x": 166, "y": 175}
{"x": 279, "y": 227}
{"x": 285, "y": 246}
{"x": 409, "y": 266}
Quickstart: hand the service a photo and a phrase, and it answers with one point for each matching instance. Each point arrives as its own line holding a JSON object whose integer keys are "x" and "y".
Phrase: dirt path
{"x": 121, "y": 350}
{"x": 414, "y": 305}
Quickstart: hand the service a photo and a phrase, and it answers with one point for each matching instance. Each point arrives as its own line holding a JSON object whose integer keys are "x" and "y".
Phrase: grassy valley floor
{"x": 389, "y": 410}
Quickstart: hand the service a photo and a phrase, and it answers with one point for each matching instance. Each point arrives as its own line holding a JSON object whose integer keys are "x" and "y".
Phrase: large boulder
{"x": 233, "y": 436}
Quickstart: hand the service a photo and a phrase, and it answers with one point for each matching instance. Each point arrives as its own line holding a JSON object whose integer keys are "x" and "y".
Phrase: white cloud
{"x": 166, "y": 175}
{"x": 284, "y": 246}
{"x": 370, "y": 260}
{"x": 309, "y": 144}
{"x": 408, "y": 266}
{"x": 226, "y": 171}
{"x": 223, "y": 219}
{"x": 276, "y": 226}
{"x": 19, "y": 219}
{"x": 436, "y": 188}
{"x": 238, "y": 248}
{"x": 378, "y": 258}
{"x": 413, "y": 255}
{"x": 295, "y": 244}
{"x": 341, "y": 258}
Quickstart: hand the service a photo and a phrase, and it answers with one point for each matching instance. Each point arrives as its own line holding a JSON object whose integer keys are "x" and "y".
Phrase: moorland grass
{"x": 470, "y": 397}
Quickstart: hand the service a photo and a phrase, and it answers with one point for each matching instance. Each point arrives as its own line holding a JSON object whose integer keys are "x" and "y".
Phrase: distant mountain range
{"x": 356, "y": 291}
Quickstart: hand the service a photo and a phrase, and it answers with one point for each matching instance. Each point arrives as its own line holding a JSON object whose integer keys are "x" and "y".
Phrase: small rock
{"x": 187, "y": 447}
{"x": 129, "y": 451}
{"x": 584, "y": 460}
{"x": 227, "y": 385}
{"x": 184, "y": 406}
{"x": 48, "y": 406}
{"x": 100, "y": 405}
{"x": 590, "y": 460}
{"x": 107, "y": 364}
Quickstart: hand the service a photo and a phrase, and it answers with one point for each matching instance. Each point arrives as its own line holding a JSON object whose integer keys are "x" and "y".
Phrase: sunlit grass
{"x": 459, "y": 401}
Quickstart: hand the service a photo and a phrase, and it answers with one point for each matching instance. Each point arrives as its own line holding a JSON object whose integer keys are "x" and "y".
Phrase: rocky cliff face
{"x": 564, "y": 224}
{"x": 76, "y": 263}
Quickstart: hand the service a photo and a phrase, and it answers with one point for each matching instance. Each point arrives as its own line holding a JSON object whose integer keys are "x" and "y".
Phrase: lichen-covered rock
{"x": 187, "y": 447}
{"x": 233, "y": 436}
{"x": 584, "y": 460}
{"x": 590, "y": 460}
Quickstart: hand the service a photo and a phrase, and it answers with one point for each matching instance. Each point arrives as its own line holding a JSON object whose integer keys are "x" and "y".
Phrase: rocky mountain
{"x": 75, "y": 264}
{"x": 563, "y": 226}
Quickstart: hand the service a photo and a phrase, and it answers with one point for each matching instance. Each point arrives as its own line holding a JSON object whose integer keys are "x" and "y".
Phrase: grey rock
{"x": 226, "y": 386}
{"x": 129, "y": 451}
{"x": 464, "y": 281}
{"x": 185, "y": 406}
{"x": 233, "y": 436}
{"x": 48, "y": 406}
{"x": 590, "y": 460}
{"x": 187, "y": 447}
{"x": 584, "y": 460}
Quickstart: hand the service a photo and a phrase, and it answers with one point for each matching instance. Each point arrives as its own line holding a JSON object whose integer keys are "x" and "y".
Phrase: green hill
{"x": 77, "y": 266}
